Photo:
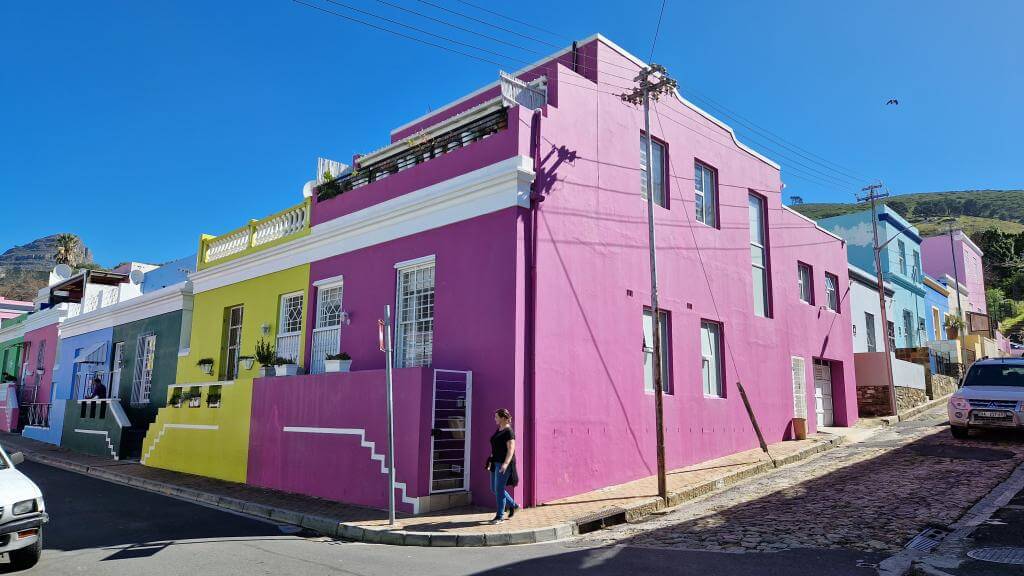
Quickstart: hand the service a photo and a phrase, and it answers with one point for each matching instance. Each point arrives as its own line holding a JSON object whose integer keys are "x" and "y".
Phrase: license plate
{"x": 991, "y": 414}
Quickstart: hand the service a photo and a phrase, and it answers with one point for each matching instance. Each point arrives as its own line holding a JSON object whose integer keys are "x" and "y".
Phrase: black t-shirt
{"x": 499, "y": 444}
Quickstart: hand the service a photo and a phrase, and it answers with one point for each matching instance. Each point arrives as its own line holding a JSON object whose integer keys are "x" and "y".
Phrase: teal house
{"x": 901, "y": 266}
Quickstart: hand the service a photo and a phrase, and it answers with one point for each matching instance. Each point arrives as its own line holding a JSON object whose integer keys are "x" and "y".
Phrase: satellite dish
{"x": 63, "y": 271}
{"x": 136, "y": 276}
{"x": 307, "y": 189}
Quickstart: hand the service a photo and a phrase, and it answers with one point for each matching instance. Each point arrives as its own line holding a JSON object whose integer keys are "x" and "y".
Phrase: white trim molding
{"x": 162, "y": 301}
{"x": 422, "y": 261}
{"x": 501, "y": 185}
{"x": 43, "y": 318}
{"x": 338, "y": 280}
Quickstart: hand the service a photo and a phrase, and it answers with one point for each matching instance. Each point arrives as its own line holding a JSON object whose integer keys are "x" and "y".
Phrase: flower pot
{"x": 206, "y": 368}
{"x": 286, "y": 369}
{"x": 337, "y": 365}
{"x": 266, "y": 371}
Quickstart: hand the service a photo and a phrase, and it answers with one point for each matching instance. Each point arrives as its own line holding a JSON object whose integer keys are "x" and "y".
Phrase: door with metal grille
{"x": 449, "y": 446}
{"x": 823, "y": 392}
{"x": 327, "y": 330}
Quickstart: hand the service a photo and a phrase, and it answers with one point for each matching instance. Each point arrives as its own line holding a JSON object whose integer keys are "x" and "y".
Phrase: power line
{"x": 657, "y": 30}
{"x": 516, "y": 20}
{"x": 457, "y": 27}
{"x": 486, "y": 23}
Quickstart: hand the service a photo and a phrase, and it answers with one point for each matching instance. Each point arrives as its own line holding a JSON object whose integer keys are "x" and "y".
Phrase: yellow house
{"x": 204, "y": 429}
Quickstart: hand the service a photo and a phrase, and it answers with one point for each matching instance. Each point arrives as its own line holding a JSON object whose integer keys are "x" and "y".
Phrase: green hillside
{"x": 976, "y": 210}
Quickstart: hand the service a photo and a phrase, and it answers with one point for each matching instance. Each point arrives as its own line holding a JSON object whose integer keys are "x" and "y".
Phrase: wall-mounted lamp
{"x": 266, "y": 328}
{"x": 345, "y": 318}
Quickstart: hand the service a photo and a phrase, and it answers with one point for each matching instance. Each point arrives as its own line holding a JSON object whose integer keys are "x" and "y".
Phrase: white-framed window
{"x": 711, "y": 358}
{"x": 705, "y": 183}
{"x": 805, "y": 280}
{"x": 414, "y": 320}
{"x": 869, "y": 321}
{"x": 648, "y": 350}
{"x": 233, "y": 348}
{"x": 327, "y": 328}
{"x": 917, "y": 266}
{"x": 658, "y": 174}
{"x": 145, "y": 362}
{"x": 289, "y": 325}
{"x": 799, "y": 368}
{"x": 901, "y": 249}
{"x": 832, "y": 291}
{"x": 758, "y": 255}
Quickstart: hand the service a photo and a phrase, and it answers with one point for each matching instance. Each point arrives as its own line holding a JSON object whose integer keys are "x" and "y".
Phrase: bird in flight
{"x": 893, "y": 101}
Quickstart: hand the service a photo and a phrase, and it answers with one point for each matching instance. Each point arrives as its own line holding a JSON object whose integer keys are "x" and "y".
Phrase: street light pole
{"x": 643, "y": 94}
{"x": 959, "y": 307}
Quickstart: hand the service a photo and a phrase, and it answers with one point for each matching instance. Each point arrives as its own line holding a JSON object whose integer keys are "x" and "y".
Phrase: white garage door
{"x": 823, "y": 392}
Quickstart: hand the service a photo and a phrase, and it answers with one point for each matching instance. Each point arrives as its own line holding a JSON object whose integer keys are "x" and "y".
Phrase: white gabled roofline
{"x": 622, "y": 51}
{"x": 832, "y": 234}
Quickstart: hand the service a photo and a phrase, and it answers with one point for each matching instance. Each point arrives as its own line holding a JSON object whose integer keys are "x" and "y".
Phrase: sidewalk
{"x": 465, "y": 526}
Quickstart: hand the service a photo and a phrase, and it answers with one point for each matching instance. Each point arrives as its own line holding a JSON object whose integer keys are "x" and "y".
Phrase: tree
{"x": 68, "y": 250}
{"x": 901, "y": 208}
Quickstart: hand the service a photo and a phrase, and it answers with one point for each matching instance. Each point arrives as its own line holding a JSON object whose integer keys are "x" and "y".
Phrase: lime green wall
{"x": 209, "y": 441}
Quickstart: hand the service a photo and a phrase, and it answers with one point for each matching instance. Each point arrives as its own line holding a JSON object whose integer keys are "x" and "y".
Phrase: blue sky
{"x": 141, "y": 125}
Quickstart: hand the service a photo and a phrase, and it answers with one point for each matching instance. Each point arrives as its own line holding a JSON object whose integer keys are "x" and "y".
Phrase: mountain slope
{"x": 25, "y": 269}
{"x": 975, "y": 210}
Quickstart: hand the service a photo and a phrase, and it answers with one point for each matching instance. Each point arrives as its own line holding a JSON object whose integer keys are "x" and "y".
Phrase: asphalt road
{"x": 100, "y": 529}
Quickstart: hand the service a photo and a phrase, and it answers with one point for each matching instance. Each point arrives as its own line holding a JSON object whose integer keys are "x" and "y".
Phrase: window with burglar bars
{"x": 327, "y": 330}
{"x": 289, "y": 325}
{"x": 415, "y": 319}
{"x": 40, "y": 360}
{"x": 145, "y": 359}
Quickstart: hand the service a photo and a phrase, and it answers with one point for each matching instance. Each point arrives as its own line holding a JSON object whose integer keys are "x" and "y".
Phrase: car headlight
{"x": 959, "y": 403}
{"x": 23, "y": 507}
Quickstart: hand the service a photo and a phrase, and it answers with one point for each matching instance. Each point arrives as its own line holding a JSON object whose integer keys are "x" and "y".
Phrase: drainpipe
{"x": 530, "y": 401}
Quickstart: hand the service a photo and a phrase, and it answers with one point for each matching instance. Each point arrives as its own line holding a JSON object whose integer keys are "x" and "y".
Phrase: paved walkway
{"x": 454, "y": 527}
{"x": 872, "y": 496}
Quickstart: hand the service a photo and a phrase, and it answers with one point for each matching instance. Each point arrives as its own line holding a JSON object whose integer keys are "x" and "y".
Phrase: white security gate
{"x": 823, "y": 392}
{"x": 449, "y": 436}
{"x": 327, "y": 330}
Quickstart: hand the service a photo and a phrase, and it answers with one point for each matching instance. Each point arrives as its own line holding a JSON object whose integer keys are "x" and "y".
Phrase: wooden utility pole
{"x": 653, "y": 82}
{"x": 872, "y": 194}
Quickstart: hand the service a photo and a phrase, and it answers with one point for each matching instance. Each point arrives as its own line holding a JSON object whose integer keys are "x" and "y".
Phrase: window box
{"x": 286, "y": 369}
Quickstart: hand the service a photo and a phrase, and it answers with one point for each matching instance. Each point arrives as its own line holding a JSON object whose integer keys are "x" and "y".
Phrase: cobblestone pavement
{"x": 872, "y": 496}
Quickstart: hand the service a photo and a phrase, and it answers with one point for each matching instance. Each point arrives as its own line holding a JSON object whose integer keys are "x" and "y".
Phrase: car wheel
{"x": 26, "y": 558}
{"x": 959, "y": 432}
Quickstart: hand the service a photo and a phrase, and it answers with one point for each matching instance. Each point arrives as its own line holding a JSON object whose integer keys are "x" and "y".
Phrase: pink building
{"x": 938, "y": 255}
{"x": 508, "y": 231}
{"x": 12, "y": 308}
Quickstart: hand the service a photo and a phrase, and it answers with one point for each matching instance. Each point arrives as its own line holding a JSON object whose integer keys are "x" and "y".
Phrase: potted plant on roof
{"x": 213, "y": 397}
{"x": 206, "y": 365}
{"x": 340, "y": 362}
{"x": 265, "y": 355}
{"x": 175, "y": 399}
{"x": 330, "y": 187}
{"x": 954, "y": 324}
{"x": 285, "y": 367}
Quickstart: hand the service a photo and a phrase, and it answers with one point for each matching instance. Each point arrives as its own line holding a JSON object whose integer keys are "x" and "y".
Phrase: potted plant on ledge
{"x": 266, "y": 356}
{"x": 213, "y": 397}
{"x": 338, "y": 362}
{"x": 175, "y": 399}
{"x": 206, "y": 365}
{"x": 285, "y": 367}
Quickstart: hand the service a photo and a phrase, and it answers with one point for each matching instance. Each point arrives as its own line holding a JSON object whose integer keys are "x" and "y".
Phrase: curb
{"x": 382, "y": 535}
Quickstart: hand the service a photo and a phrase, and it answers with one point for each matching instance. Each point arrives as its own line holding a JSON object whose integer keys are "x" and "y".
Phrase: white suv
{"x": 991, "y": 396}
{"x": 22, "y": 514}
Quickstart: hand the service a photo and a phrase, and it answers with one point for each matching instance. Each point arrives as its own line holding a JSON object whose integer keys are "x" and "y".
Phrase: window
{"x": 115, "y": 369}
{"x": 711, "y": 358}
{"x": 937, "y": 323}
{"x": 805, "y": 280}
{"x": 705, "y": 182}
{"x": 648, "y": 349}
{"x": 869, "y": 321}
{"x": 758, "y": 255}
{"x": 233, "y": 329}
{"x": 327, "y": 330}
{"x": 415, "y": 318}
{"x": 658, "y": 175}
{"x": 40, "y": 355}
{"x": 901, "y": 248}
{"x": 892, "y": 335}
{"x": 289, "y": 325}
{"x": 908, "y": 328}
{"x": 917, "y": 265}
{"x": 832, "y": 291}
{"x": 145, "y": 360}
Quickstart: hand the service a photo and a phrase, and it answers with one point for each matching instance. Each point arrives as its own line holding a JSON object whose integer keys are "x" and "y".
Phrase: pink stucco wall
{"x": 585, "y": 421}
{"x": 937, "y": 259}
{"x": 338, "y": 466}
{"x": 49, "y": 334}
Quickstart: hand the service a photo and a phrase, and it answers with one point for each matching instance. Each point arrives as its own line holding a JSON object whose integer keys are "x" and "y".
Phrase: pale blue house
{"x": 901, "y": 267}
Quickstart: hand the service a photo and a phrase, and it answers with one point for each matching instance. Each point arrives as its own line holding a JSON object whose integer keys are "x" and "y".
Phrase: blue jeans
{"x": 503, "y": 498}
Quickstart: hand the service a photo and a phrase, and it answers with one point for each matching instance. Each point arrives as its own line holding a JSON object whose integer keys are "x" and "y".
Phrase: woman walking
{"x": 502, "y": 465}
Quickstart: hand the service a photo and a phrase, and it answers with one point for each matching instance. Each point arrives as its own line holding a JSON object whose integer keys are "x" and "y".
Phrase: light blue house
{"x": 901, "y": 267}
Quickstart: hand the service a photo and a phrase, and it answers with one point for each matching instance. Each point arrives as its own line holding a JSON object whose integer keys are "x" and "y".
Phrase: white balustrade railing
{"x": 257, "y": 233}
{"x": 280, "y": 226}
{"x": 326, "y": 341}
{"x": 288, "y": 346}
{"x": 532, "y": 95}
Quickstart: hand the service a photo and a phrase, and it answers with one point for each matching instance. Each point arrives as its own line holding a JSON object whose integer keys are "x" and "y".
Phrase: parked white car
{"x": 22, "y": 514}
{"x": 991, "y": 396}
